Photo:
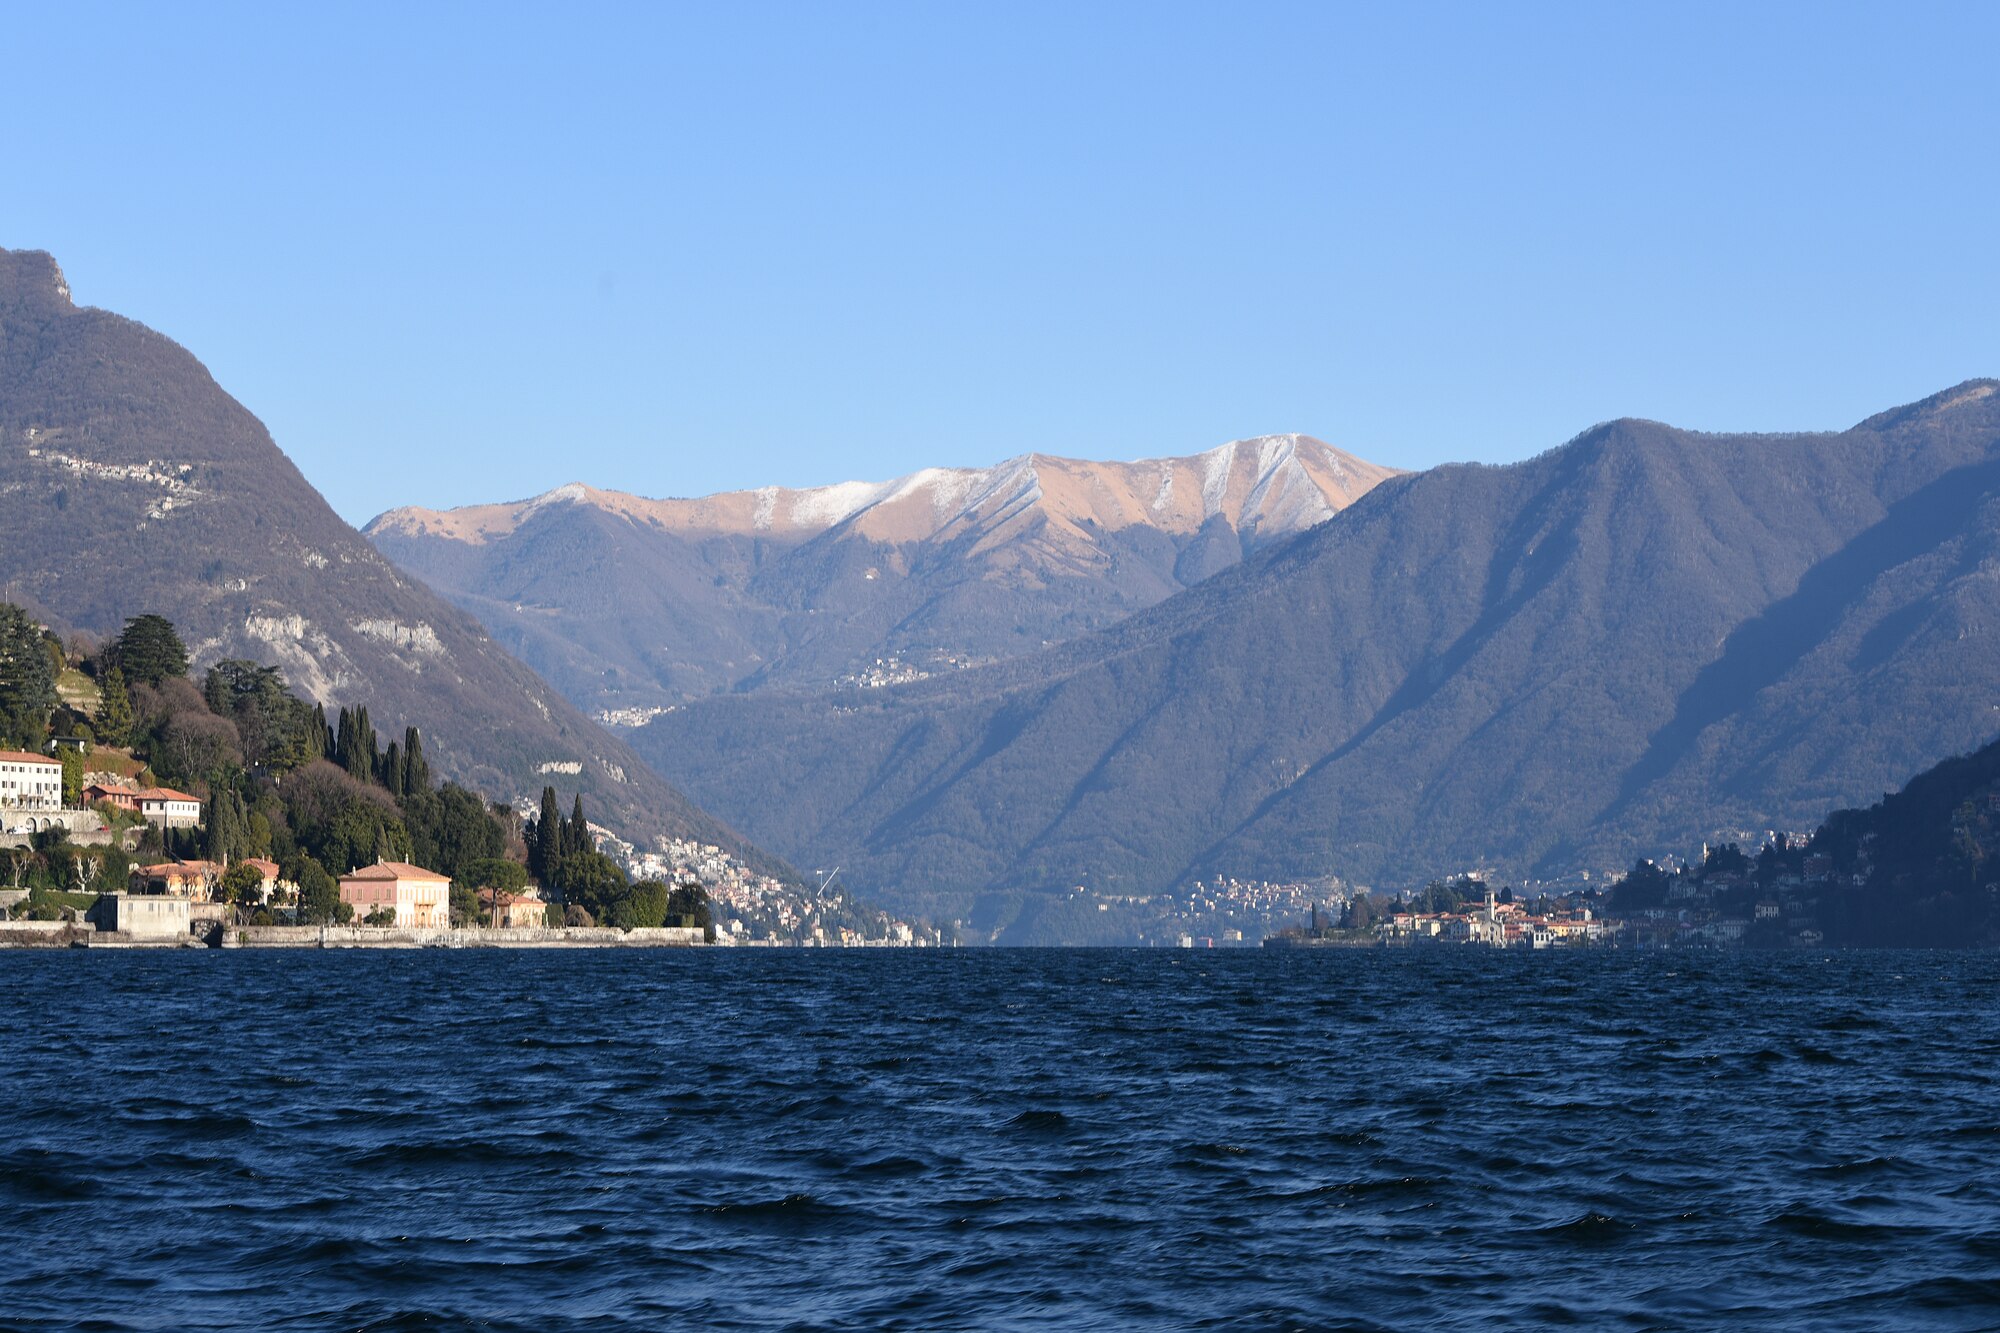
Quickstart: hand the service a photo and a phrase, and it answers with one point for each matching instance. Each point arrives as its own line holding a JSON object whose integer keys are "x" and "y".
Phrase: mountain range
{"x": 629, "y": 604}
{"x": 1012, "y": 695}
{"x": 131, "y": 482}
{"x": 1642, "y": 638}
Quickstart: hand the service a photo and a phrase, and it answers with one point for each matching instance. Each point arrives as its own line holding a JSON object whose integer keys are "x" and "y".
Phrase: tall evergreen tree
{"x": 113, "y": 721}
{"x": 392, "y": 770}
{"x": 576, "y": 833}
{"x": 27, "y": 681}
{"x": 148, "y": 650}
{"x": 368, "y": 759}
{"x": 319, "y": 738}
{"x": 416, "y": 769}
{"x": 221, "y": 828}
{"x": 357, "y": 745}
{"x": 545, "y": 846}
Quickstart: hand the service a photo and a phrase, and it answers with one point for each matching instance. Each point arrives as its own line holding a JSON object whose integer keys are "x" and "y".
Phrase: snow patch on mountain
{"x": 1216, "y": 465}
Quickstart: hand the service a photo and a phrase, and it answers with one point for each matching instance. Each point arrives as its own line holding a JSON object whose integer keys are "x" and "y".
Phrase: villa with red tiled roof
{"x": 420, "y": 898}
{"x": 119, "y": 797}
{"x": 169, "y": 808}
{"x": 514, "y": 910}
{"x": 183, "y": 879}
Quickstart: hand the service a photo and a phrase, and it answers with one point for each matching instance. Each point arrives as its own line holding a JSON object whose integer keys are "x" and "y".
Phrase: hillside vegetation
{"x": 132, "y": 482}
{"x": 1642, "y": 639}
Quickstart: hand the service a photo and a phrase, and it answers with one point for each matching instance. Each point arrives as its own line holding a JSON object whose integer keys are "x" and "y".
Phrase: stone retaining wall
{"x": 41, "y": 934}
{"x": 379, "y": 937}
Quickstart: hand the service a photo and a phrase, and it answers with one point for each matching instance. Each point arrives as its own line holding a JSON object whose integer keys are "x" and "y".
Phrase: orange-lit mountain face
{"x": 630, "y": 602}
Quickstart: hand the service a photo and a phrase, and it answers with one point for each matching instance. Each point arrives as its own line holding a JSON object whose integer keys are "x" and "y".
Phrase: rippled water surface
{"x": 739, "y": 1139}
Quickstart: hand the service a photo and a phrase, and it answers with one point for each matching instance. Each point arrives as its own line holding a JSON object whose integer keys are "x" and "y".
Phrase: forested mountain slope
{"x": 130, "y": 481}
{"x": 1638, "y": 639}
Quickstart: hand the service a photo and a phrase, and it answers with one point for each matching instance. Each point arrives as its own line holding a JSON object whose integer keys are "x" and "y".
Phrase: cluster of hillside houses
{"x": 172, "y": 895}
{"x": 1498, "y": 925}
{"x": 31, "y": 797}
{"x": 168, "y": 895}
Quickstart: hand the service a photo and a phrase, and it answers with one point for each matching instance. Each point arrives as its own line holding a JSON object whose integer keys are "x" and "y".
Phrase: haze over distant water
{"x": 1065, "y": 1140}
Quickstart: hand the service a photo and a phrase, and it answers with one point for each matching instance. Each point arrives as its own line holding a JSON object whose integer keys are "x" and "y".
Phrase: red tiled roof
{"x": 23, "y": 757}
{"x": 183, "y": 868}
{"x": 167, "y": 794}
{"x": 386, "y": 870}
{"x": 531, "y": 894}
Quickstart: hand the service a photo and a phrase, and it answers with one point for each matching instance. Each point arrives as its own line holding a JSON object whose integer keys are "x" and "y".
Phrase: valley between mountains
{"x": 986, "y": 699}
{"x": 1019, "y": 694}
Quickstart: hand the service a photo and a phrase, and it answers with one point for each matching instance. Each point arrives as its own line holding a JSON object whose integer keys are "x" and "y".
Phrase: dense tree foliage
{"x": 451, "y": 828}
{"x": 150, "y": 651}
{"x": 27, "y": 681}
{"x": 113, "y": 719}
{"x": 277, "y": 780}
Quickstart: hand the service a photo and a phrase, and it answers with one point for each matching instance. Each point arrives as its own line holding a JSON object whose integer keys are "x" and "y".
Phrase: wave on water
{"x": 1011, "y": 1140}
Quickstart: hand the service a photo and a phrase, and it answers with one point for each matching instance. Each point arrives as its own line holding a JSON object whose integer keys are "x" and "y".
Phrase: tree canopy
{"x": 27, "y": 681}
{"x": 149, "y": 650}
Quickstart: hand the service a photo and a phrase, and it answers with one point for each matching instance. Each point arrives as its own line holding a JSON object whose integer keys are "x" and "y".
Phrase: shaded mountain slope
{"x": 131, "y": 482}
{"x": 1639, "y": 639}
{"x": 628, "y": 602}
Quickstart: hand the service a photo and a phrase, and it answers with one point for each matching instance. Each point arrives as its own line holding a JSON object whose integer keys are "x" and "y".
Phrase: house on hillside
{"x": 420, "y": 898}
{"x": 30, "y": 781}
{"x": 169, "y": 808}
{"x": 273, "y": 882}
{"x": 116, "y": 796}
{"x": 180, "y": 879}
{"x": 514, "y": 911}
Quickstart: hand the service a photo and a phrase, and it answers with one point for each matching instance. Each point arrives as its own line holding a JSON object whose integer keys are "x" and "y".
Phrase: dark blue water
{"x": 1059, "y": 1140}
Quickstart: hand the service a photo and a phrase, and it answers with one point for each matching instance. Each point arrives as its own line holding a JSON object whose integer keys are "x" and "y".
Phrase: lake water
{"x": 999, "y": 1140}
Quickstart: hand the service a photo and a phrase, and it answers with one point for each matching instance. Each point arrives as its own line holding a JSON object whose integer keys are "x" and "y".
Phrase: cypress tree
{"x": 546, "y": 847}
{"x": 114, "y": 710}
{"x": 576, "y": 834}
{"x": 357, "y": 744}
{"x": 392, "y": 770}
{"x": 221, "y": 833}
{"x": 317, "y": 740}
{"x": 416, "y": 769}
{"x": 367, "y": 759}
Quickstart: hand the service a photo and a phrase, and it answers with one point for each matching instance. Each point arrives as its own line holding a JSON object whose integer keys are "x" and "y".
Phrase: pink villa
{"x": 420, "y": 898}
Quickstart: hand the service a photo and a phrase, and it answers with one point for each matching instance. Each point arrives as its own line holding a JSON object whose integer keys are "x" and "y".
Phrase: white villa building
{"x": 31, "y": 781}
{"x": 168, "y": 808}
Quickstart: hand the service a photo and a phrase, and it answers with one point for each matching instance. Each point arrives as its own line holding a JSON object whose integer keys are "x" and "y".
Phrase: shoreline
{"x": 72, "y": 935}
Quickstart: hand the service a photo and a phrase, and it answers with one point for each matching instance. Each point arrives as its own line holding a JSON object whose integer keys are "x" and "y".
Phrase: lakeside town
{"x": 1721, "y": 898}
{"x": 139, "y": 808}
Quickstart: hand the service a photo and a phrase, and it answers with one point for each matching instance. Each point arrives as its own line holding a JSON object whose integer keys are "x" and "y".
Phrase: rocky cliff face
{"x": 628, "y": 602}
{"x": 130, "y": 482}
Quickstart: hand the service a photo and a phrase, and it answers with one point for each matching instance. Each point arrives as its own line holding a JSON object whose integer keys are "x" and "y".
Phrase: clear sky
{"x": 462, "y": 254}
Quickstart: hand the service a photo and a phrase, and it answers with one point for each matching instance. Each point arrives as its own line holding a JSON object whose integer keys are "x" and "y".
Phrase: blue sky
{"x": 463, "y": 254}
